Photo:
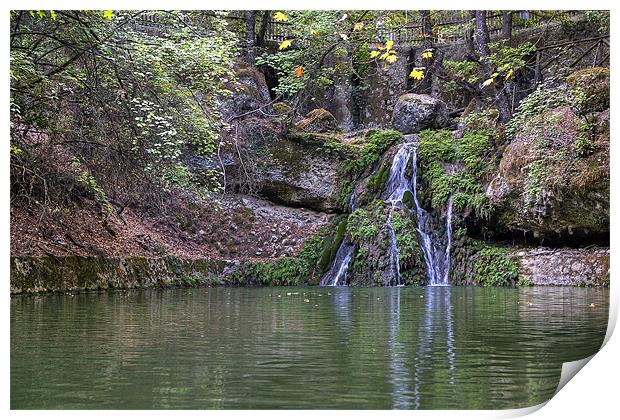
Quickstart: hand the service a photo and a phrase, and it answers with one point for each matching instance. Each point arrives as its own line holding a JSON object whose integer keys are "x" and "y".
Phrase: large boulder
{"x": 249, "y": 92}
{"x": 296, "y": 170}
{"x": 414, "y": 113}
{"x": 318, "y": 120}
{"x": 591, "y": 88}
{"x": 546, "y": 187}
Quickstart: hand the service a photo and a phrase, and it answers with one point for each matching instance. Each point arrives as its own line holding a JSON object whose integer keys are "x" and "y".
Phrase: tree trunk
{"x": 250, "y": 36}
{"x": 426, "y": 84}
{"x": 469, "y": 34}
{"x": 260, "y": 37}
{"x": 506, "y": 26}
{"x": 482, "y": 44}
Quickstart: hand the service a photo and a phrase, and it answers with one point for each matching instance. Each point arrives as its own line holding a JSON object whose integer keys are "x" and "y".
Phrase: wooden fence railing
{"x": 589, "y": 52}
{"x": 448, "y": 25}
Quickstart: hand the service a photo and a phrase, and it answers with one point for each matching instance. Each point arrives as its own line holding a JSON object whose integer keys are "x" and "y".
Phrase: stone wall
{"x": 564, "y": 267}
{"x": 76, "y": 273}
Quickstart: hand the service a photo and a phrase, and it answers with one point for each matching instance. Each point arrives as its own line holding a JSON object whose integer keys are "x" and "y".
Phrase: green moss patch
{"x": 494, "y": 267}
{"x": 455, "y": 166}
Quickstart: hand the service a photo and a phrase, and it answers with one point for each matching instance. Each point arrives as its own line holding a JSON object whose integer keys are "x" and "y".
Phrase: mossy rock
{"x": 408, "y": 199}
{"x": 318, "y": 120}
{"x": 281, "y": 108}
{"x": 593, "y": 84}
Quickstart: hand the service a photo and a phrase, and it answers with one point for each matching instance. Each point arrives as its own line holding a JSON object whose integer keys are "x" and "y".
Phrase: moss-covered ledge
{"x": 52, "y": 274}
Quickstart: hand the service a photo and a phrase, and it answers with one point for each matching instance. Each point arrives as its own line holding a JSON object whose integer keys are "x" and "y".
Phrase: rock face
{"x": 593, "y": 85}
{"x": 564, "y": 267}
{"x": 545, "y": 189}
{"x": 295, "y": 170}
{"x": 318, "y": 120}
{"x": 249, "y": 93}
{"x": 553, "y": 178}
{"x": 300, "y": 175}
{"x": 414, "y": 113}
{"x": 77, "y": 273}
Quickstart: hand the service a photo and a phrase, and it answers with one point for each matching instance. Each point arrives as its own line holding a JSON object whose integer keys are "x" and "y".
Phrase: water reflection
{"x": 342, "y": 307}
{"x": 397, "y": 353}
{"x": 436, "y": 342}
{"x": 354, "y": 348}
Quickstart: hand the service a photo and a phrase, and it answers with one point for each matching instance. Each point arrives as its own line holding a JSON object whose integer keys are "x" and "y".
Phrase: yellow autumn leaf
{"x": 389, "y": 45}
{"x": 314, "y": 32}
{"x": 280, "y": 17}
{"x": 374, "y": 54}
{"x": 427, "y": 53}
{"x": 384, "y": 55}
{"x": 391, "y": 58}
{"x": 487, "y": 82}
{"x": 494, "y": 75}
{"x": 285, "y": 44}
{"x": 358, "y": 26}
{"x": 509, "y": 74}
{"x": 417, "y": 73}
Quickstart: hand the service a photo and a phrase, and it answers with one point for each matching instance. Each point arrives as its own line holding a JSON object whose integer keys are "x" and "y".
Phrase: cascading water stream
{"x": 337, "y": 274}
{"x": 437, "y": 257}
{"x": 397, "y": 186}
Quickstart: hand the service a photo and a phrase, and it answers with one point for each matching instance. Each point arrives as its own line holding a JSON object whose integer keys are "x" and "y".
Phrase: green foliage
{"x": 600, "y": 18}
{"x": 377, "y": 181}
{"x": 507, "y": 59}
{"x": 408, "y": 199}
{"x": 340, "y": 232}
{"x": 584, "y": 143}
{"x": 407, "y": 240}
{"x": 93, "y": 186}
{"x": 148, "y": 99}
{"x": 317, "y": 34}
{"x": 331, "y": 245}
{"x": 463, "y": 70}
{"x": 493, "y": 267}
{"x": 325, "y": 257}
{"x": 482, "y": 120}
{"x": 455, "y": 166}
{"x": 535, "y": 181}
{"x": 376, "y": 142}
{"x": 365, "y": 224}
{"x": 285, "y": 63}
{"x": 287, "y": 271}
{"x": 530, "y": 113}
{"x": 344, "y": 194}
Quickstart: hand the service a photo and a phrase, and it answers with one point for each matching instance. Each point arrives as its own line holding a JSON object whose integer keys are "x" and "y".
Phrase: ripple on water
{"x": 436, "y": 347}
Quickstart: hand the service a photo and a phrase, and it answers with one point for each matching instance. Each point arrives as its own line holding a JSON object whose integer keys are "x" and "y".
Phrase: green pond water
{"x": 300, "y": 348}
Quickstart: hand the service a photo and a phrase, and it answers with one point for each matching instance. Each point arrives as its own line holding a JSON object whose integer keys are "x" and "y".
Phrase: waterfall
{"x": 436, "y": 254}
{"x": 437, "y": 258}
{"x": 353, "y": 202}
{"x": 337, "y": 274}
{"x": 397, "y": 185}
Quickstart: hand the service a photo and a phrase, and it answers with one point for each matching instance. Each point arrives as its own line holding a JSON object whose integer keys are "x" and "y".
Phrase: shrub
{"x": 493, "y": 267}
